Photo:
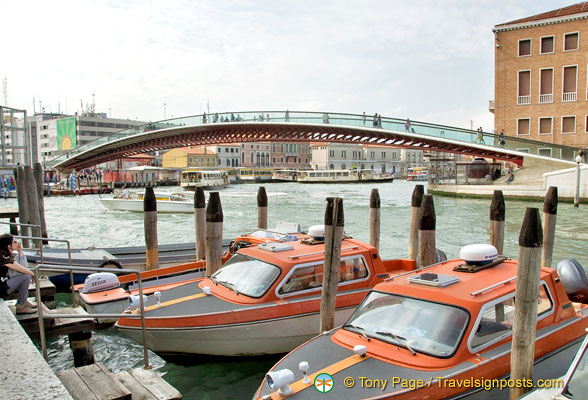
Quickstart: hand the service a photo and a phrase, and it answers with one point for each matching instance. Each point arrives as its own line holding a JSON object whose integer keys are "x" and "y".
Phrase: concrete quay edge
{"x": 24, "y": 374}
{"x": 511, "y": 192}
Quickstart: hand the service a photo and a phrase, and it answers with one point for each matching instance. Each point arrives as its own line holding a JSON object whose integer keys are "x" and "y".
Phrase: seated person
{"x": 14, "y": 283}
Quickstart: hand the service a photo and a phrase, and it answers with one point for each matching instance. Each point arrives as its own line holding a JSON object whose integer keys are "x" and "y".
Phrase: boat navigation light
{"x": 303, "y": 366}
{"x": 206, "y": 290}
{"x": 360, "y": 350}
{"x": 280, "y": 379}
{"x": 135, "y": 301}
{"x": 158, "y": 297}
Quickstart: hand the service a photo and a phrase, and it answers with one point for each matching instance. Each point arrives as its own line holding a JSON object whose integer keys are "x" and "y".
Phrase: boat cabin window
{"x": 311, "y": 276}
{"x": 422, "y": 326}
{"x": 246, "y": 275}
{"x": 497, "y": 319}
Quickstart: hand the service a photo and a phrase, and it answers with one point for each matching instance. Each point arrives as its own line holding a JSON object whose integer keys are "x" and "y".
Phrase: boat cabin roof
{"x": 441, "y": 283}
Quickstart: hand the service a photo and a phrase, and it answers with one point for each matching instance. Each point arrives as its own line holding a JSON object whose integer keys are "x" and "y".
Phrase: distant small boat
{"x": 191, "y": 178}
{"x": 343, "y": 176}
{"x": 167, "y": 202}
{"x": 417, "y": 174}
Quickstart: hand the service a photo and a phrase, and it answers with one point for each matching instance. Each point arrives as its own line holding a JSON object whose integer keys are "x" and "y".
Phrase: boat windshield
{"x": 577, "y": 384}
{"x": 246, "y": 275}
{"x": 423, "y": 326}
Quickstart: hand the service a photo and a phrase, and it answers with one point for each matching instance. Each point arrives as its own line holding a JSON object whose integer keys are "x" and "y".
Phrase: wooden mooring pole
{"x": 334, "y": 224}
{"x": 81, "y": 347}
{"x": 150, "y": 222}
{"x": 427, "y": 225}
{"x": 23, "y": 202}
{"x": 497, "y": 214}
{"x": 38, "y": 174}
{"x": 417, "y": 198}
{"x": 527, "y": 292}
{"x": 214, "y": 234}
{"x": 200, "y": 223}
{"x": 261, "y": 208}
{"x": 549, "y": 218}
{"x": 375, "y": 218}
{"x": 33, "y": 203}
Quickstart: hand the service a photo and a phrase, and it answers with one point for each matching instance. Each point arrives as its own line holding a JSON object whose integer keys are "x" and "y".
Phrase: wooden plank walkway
{"x": 56, "y": 326}
{"x": 95, "y": 382}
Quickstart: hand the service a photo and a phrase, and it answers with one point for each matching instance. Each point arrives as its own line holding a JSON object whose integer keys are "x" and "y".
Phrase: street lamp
{"x": 164, "y": 111}
{"x": 579, "y": 159}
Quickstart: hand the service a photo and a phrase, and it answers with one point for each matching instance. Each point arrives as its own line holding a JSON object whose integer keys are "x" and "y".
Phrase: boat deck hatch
{"x": 437, "y": 280}
{"x": 275, "y": 247}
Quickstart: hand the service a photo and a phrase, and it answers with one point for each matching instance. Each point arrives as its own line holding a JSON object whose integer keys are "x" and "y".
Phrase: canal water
{"x": 85, "y": 222}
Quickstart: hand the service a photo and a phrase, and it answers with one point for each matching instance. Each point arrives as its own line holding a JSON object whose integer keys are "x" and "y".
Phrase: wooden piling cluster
{"x": 31, "y": 206}
{"x": 497, "y": 216}
{"x": 334, "y": 225}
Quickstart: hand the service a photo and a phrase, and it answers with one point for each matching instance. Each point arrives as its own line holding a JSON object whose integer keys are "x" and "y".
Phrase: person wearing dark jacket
{"x": 19, "y": 282}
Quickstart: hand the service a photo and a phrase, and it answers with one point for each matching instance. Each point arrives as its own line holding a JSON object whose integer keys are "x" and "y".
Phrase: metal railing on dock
{"x": 79, "y": 269}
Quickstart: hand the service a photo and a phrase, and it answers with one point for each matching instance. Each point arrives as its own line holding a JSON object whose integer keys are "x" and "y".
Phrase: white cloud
{"x": 426, "y": 60}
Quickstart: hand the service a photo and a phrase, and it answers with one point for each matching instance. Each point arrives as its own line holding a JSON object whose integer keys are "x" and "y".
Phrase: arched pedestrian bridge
{"x": 254, "y": 126}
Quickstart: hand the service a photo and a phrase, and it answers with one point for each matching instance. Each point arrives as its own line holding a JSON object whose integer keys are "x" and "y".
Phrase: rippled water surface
{"x": 85, "y": 222}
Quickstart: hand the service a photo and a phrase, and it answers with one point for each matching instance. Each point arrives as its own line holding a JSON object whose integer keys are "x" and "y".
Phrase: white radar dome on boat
{"x": 317, "y": 232}
{"x": 478, "y": 254}
{"x": 100, "y": 281}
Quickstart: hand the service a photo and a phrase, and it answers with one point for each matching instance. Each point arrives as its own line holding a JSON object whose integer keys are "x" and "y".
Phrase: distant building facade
{"x": 385, "y": 159}
{"x": 540, "y": 77}
{"x": 290, "y": 155}
{"x": 188, "y": 157}
{"x": 57, "y": 134}
{"x": 256, "y": 154}
{"x": 228, "y": 155}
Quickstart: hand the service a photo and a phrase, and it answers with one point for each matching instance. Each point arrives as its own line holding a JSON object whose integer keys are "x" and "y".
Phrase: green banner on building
{"x": 66, "y": 134}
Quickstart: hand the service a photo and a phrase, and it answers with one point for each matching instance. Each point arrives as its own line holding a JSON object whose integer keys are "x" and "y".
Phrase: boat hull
{"x": 137, "y": 206}
{"x": 250, "y": 339}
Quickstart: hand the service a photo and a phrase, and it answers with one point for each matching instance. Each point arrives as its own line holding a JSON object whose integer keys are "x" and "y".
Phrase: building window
{"x": 524, "y": 90}
{"x": 547, "y": 44}
{"x": 568, "y": 124}
{"x": 331, "y": 153}
{"x": 524, "y": 47}
{"x": 571, "y": 41}
{"x": 570, "y": 75}
{"x": 545, "y": 126}
{"x": 523, "y": 126}
{"x": 546, "y": 86}
{"x": 586, "y": 125}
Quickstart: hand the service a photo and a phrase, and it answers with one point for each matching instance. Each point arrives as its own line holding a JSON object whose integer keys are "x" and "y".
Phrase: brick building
{"x": 540, "y": 77}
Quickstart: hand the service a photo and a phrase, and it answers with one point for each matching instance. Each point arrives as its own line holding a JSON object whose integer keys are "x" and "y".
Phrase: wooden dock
{"x": 56, "y": 326}
{"x": 96, "y": 382}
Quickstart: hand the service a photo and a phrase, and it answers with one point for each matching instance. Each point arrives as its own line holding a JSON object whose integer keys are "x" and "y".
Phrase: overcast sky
{"x": 427, "y": 60}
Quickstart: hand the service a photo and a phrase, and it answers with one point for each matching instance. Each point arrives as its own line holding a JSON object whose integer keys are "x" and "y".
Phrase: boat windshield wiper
{"x": 359, "y": 329}
{"x": 228, "y": 284}
{"x": 398, "y": 339}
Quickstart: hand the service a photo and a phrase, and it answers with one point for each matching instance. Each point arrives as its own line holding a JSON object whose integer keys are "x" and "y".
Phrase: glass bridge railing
{"x": 357, "y": 120}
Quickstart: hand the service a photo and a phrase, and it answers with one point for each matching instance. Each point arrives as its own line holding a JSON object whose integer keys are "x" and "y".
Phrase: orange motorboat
{"x": 264, "y": 300}
{"x": 440, "y": 332}
{"x": 106, "y": 293}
